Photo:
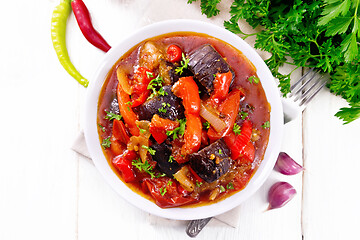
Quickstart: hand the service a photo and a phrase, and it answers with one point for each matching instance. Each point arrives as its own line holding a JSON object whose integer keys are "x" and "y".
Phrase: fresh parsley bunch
{"x": 320, "y": 34}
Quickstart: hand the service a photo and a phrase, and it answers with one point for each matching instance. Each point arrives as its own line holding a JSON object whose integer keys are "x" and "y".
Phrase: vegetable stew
{"x": 183, "y": 119}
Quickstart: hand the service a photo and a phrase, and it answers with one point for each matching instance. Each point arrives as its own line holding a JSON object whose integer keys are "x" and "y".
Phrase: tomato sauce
{"x": 167, "y": 191}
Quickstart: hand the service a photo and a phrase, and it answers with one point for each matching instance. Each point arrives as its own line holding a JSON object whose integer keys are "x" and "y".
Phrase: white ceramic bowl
{"x": 268, "y": 83}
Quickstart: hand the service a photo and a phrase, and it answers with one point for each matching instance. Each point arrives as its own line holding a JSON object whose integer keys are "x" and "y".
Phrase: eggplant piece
{"x": 170, "y": 105}
{"x": 162, "y": 155}
{"x": 204, "y": 63}
{"x": 211, "y": 162}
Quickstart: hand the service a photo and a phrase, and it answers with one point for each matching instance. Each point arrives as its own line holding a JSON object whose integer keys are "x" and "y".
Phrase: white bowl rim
{"x": 268, "y": 83}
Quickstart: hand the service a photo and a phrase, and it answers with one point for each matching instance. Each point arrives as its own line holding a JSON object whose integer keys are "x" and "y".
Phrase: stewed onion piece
{"x": 184, "y": 180}
{"x": 123, "y": 81}
{"x": 218, "y": 124}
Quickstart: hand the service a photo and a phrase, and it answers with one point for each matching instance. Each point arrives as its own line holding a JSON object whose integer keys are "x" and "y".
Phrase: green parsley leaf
{"x": 230, "y": 185}
{"x": 236, "y": 129}
{"x": 171, "y": 159}
{"x": 266, "y": 125}
{"x": 243, "y": 115}
{"x": 179, "y": 131}
{"x": 102, "y": 127}
{"x": 150, "y": 150}
{"x": 141, "y": 130}
{"x": 162, "y": 92}
{"x": 349, "y": 114}
{"x": 220, "y": 151}
{"x": 198, "y": 184}
{"x": 253, "y": 79}
{"x": 206, "y": 125}
{"x": 222, "y": 189}
{"x": 111, "y": 116}
{"x": 184, "y": 64}
{"x": 144, "y": 167}
{"x": 106, "y": 143}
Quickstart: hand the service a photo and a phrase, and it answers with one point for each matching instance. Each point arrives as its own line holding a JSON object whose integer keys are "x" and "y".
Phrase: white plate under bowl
{"x": 267, "y": 81}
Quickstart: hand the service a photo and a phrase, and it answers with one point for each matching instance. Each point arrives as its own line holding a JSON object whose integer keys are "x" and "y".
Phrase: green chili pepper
{"x": 58, "y": 31}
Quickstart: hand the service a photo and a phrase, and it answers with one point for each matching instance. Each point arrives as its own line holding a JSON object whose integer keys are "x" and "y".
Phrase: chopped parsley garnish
{"x": 102, "y": 127}
{"x": 111, "y": 116}
{"x": 266, "y": 125}
{"x": 243, "y": 115}
{"x": 106, "y": 143}
{"x": 164, "y": 105}
{"x": 162, "y": 92}
{"x": 149, "y": 74}
{"x": 141, "y": 130}
{"x": 150, "y": 150}
{"x": 253, "y": 79}
{"x": 179, "y": 131}
{"x": 198, "y": 184}
{"x": 163, "y": 189}
{"x": 184, "y": 65}
{"x": 230, "y": 185}
{"x": 171, "y": 159}
{"x": 206, "y": 125}
{"x": 155, "y": 83}
{"x": 236, "y": 129}
{"x": 222, "y": 189}
{"x": 220, "y": 151}
{"x": 144, "y": 167}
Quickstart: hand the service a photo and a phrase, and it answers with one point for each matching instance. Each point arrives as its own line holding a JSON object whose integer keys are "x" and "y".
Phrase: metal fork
{"x": 302, "y": 92}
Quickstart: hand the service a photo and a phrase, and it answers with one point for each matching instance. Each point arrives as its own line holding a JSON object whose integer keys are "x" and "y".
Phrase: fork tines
{"x": 305, "y": 89}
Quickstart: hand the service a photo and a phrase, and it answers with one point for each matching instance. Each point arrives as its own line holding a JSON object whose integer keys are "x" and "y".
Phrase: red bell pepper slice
{"x": 159, "y": 126}
{"x": 192, "y": 135}
{"x": 221, "y": 87}
{"x": 140, "y": 93}
{"x": 172, "y": 197}
{"x": 248, "y": 154}
{"x": 237, "y": 143}
{"x": 123, "y": 163}
{"x": 186, "y": 89}
{"x": 119, "y": 132}
{"x": 230, "y": 108}
{"x": 126, "y": 111}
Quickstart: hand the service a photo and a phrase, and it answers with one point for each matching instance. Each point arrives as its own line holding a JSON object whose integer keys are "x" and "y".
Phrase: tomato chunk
{"x": 123, "y": 163}
{"x": 174, "y": 53}
{"x": 159, "y": 126}
{"x": 221, "y": 87}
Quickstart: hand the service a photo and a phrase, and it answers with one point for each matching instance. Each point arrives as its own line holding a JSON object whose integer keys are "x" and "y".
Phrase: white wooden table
{"x": 49, "y": 192}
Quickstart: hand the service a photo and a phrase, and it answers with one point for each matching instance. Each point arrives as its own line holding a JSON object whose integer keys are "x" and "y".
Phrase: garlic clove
{"x": 286, "y": 165}
{"x": 280, "y": 194}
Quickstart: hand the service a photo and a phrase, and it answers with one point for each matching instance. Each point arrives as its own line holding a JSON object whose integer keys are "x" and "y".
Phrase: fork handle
{"x": 291, "y": 109}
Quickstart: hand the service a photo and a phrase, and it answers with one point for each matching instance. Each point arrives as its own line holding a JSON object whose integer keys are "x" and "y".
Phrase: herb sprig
{"x": 320, "y": 34}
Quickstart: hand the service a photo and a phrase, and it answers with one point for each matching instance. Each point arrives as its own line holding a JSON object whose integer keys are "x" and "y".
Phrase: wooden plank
{"x": 331, "y": 207}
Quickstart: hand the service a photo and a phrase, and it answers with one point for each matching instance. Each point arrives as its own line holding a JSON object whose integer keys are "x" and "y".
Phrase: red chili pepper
{"x": 159, "y": 126}
{"x": 123, "y": 163}
{"x": 83, "y": 19}
{"x": 188, "y": 91}
{"x": 230, "y": 108}
{"x": 237, "y": 143}
{"x": 126, "y": 111}
{"x": 174, "y": 53}
{"x": 221, "y": 87}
